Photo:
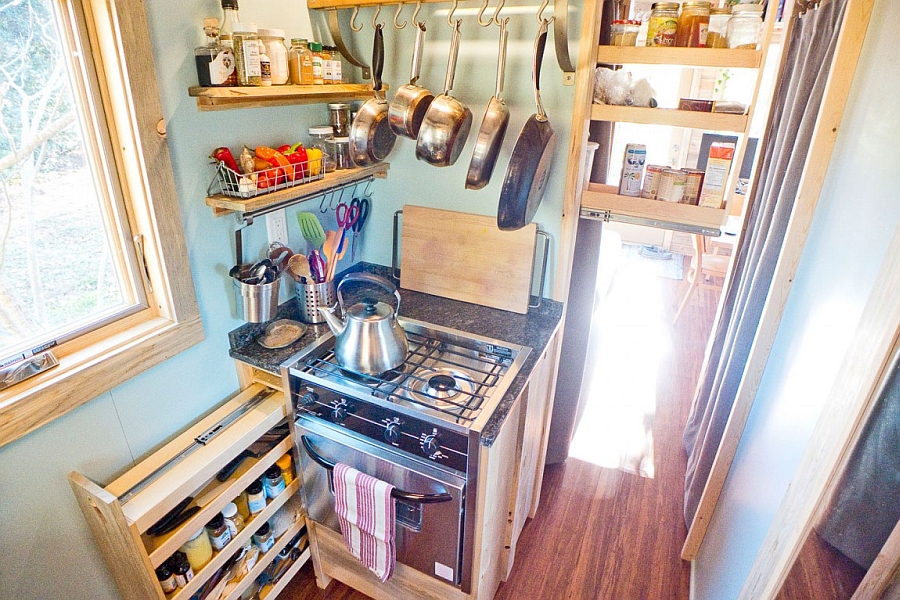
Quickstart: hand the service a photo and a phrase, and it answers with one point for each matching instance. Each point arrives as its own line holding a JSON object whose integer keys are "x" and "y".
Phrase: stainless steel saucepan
{"x": 371, "y": 137}
{"x": 411, "y": 102}
{"x": 447, "y": 122}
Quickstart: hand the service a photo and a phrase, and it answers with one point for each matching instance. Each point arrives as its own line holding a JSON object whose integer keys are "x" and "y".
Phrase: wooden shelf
{"x": 222, "y": 204}
{"x": 224, "y": 98}
{"x": 686, "y": 217}
{"x": 709, "y": 121}
{"x": 687, "y": 57}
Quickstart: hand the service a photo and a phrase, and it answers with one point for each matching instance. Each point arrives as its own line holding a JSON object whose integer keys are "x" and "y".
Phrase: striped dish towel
{"x": 366, "y": 511}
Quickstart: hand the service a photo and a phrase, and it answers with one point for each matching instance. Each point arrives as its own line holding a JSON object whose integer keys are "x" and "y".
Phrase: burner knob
{"x": 430, "y": 444}
{"x": 392, "y": 432}
{"x": 308, "y": 399}
{"x": 339, "y": 412}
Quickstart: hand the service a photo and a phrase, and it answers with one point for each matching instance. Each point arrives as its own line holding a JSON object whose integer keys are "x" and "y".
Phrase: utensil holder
{"x": 312, "y": 296}
{"x": 258, "y": 303}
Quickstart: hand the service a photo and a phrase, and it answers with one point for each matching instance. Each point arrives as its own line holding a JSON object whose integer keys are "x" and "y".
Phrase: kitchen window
{"x": 92, "y": 254}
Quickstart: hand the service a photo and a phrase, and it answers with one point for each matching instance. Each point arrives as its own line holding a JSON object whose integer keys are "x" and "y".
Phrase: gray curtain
{"x": 795, "y": 109}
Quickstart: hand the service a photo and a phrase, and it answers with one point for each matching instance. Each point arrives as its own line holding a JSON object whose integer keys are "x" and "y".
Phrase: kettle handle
{"x": 373, "y": 279}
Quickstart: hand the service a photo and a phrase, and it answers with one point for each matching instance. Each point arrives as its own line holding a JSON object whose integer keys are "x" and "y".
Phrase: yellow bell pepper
{"x": 314, "y": 155}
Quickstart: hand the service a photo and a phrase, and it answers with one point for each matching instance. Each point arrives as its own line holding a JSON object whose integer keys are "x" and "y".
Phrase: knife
{"x": 169, "y": 516}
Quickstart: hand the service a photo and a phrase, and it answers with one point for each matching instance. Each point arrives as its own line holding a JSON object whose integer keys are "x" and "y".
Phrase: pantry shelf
{"x": 687, "y": 57}
{"x": 223, "y": 205}
{"x": 603, "y": 200}
{"x": 709, "y": 121}
{"x": 224, "y": 98}
{"x": 263, "y": 563}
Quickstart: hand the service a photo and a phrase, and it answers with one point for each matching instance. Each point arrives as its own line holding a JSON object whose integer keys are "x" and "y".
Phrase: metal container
{"x": 671, "y": 185}
{"x": 257, "y": 303}
{"x": 651, "y": 181}
{"x": 311, "y": 297}
{"x": 632, "y": 170}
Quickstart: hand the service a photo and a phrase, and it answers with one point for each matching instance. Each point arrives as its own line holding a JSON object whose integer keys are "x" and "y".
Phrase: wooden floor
{"x": 600, "y": 532}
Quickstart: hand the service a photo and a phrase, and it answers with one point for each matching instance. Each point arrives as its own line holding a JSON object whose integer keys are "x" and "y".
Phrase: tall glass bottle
{"x": 215, "y": 62}
{"x": 229, "y": 18}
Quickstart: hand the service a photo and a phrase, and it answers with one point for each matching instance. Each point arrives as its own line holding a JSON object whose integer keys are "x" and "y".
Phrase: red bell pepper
{"x": 300, "y": 159}
{"x": 223, "y": 155}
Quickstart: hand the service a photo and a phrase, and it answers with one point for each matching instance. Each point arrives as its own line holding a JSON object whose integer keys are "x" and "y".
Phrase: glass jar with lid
{"x": 341, "y": 153}
{"x": 339, "y": 116}
{"x": 246, "y": 54}
{"x": 663, "y": 24}
{"x": 198, "y": 549}
{"x": 693, "y": 25}
{"x": 745, "y": 26}
{"x": 716, "y": 37}
{"x": 322, "y": 137}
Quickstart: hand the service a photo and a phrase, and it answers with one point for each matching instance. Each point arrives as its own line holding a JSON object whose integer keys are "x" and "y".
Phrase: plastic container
{"x": 312, "y": 296}
{"x": 257, "y": 303}
{"x": 342, "y": 159}
{"x": 745, "y": 26}
{"x": 693, "y": 25}
{"x": 273, "y": 482}
{"x": 322, "y": 137}
{"x": 218, "y": 532}
{"x": 278, "y": 54}
{"x": 198, "y": 550}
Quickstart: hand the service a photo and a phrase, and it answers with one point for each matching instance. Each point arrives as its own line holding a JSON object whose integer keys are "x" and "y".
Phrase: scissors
{"x": 347, "y": 215}
{"x": 363, "y": 205}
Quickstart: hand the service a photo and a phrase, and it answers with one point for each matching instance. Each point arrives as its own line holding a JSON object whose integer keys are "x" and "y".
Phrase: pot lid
{"x": 370, "y": 310}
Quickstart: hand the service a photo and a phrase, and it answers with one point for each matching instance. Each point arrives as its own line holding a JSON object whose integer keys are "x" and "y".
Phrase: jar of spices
{"x": 318, "y": 69}
{"x": 286, "y": 464}
{"x": 278, "y": 55}
{"x": 273, "y": 481}
{"x": 218, "y": 532}
{"x": 745, "y": 26}
{"x": 256, "y": 497}
{"x": 326, "y": 64}
{"x": 718, "y": 27}
{"x": 233, "y": 520}
{"x": 300, "y": 62}
{"x": 339, "y": 116}
{"x": 166, "y": 578}
{"x": 265, "y": 66}
{"x": 246, "y": 54}
{"x": 693, "y": 25}
{"x": 181, "y": 569}
{"x": 198, "y": 549}
{"x": 624, "y": 33}
{"x": 337, "y": 67}
{"x": 341, "y": 153}
{"x": 663, "y": 24}
{"x": 264, "y": 538}
{"x": 321, "y": 137}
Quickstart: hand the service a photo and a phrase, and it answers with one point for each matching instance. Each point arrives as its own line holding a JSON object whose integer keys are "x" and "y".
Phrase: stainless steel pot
{"x": 411, "y": 102}
{"x": 447, "y": 122}
{"x": 369, "y": 340}
{"x": 371, "y": 137}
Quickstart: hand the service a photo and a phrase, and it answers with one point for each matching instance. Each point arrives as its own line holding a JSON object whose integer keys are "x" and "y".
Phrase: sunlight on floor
{"x": 634, "y": 341}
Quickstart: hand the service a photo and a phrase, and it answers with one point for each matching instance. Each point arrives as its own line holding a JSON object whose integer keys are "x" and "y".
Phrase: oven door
{"x": 429, "y": 500}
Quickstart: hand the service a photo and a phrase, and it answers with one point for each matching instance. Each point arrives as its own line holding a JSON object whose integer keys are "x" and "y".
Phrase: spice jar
{"x": 341, "y": 153}
{"x": 181, "y": 569}
{"x": 285, "y": 463}
{"x": 246, "y": 54}
{"x": 166, "y": 578}
{"x": 233, "y": 520}
{"x": 300, "y": 62}
{"x": 693, "y": 25}
{"x": 663, "y": 24}
{"x": 264, "y": 538}
{"x": 218, "y": 532}
{"x": 718, "y": 27}
{"x": 624, "y": 33}
{"x": 326, "y": 64}
{"x": 318, "y": 69}
{"x": 273, "y": 481}
{"x": 256, "y": 497}
{"x": 337, "y": 67}
{"x": 321, "y": 137}
{"x": 278, "y": 55}
{"x": 198, "y": 549}
{"x": 745, "y": 26}
{"x": 339, "y": 116}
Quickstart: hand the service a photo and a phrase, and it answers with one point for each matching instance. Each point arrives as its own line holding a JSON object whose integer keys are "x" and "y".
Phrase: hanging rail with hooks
{"x": 559, "y": 21}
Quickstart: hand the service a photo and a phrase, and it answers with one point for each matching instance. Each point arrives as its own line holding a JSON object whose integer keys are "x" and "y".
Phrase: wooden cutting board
{"x": 466, "y": 257}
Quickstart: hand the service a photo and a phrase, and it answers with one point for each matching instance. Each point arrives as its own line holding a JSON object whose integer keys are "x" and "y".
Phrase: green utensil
{"x": 311, "y": 229}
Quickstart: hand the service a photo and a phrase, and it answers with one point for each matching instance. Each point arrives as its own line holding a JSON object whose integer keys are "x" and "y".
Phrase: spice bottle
{"x": 166, "y": 578}
{"x": 745, "y": 26}
{"x": 273, "y": 39}
{"x": 718, "y": 27}
{"x": 693, "y": 25}
{"x": 181, "y": 569}
{"x": 197, "y": 549}
{"x": 327, "y": 68}
{"x": 663, "y": 24}
{"x": 218, "y": 532}
{"x": 265, "y": 66}
{"x": 285, "y": 463}
{"x": 264, "y": 538}
{"x": 273, "y": 481}
{"x": 233, "y": 520}
{"x": 256, "y": 497}
{"x": 215, "y": 62}
{"x": 318, "y": 69}
{"x": 337, "y": 66}
{"x": 246, "y": 54}
{"x": 229, "y": 18}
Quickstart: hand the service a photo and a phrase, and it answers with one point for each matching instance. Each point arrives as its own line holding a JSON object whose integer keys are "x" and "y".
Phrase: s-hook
{"x": 453, "y": 10}
{"x": 496, "y": 17}
{"x": 397, "y": 16}
{"x": 483, "y": 8}
{"x": 353, "y": 24}
{"x": 415, "y": 14}
{"x": 375, "y": 23}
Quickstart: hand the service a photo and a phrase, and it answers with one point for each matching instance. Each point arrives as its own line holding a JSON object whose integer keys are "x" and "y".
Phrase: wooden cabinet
{"x": 120, "y": 513}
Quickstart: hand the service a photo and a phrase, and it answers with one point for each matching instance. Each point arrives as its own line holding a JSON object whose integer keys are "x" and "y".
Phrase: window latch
{"x": 21, "y": 368}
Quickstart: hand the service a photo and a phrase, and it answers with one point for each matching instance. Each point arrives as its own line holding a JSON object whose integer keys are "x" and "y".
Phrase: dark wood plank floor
{"x": 821, "y": 572}
{"x": 600, "y": 532}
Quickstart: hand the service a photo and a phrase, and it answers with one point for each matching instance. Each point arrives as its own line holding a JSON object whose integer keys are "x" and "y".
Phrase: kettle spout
{"x": 334, "y": 323}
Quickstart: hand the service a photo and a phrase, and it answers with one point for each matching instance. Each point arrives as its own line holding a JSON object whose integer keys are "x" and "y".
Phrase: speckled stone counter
{"x": 533, "y": 330}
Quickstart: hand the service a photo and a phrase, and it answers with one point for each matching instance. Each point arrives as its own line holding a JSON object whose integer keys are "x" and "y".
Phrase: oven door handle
{"x": 395, "y": 493}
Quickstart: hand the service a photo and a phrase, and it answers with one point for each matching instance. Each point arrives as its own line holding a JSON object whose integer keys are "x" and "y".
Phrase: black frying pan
{"x": 529, "y": 165}
{"x": 371, "y": 137}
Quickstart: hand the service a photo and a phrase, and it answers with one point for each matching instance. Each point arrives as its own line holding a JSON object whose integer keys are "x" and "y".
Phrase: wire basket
{"x": 248, "y": 185}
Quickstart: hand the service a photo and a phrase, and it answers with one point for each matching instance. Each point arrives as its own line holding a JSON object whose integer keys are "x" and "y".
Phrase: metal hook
{"x": 397, "y": 16}
{"x": 453, "y": 10}
{"x": 540, "y": 12}
{"x": 353, "y": 26}
{"x": 416, "y": 13}
{"x": 322, "y": 207}
{"x": 481, "y": 14}
{"x": 366, "y": 192}
{"x": 375, "y": 23}
{"x": 496, "y": 17}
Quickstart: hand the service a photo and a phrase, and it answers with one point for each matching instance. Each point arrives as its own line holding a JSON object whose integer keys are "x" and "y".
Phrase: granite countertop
{"x": 533, "y": 330}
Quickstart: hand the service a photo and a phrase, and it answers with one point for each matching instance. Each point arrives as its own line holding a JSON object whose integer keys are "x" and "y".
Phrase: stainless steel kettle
{"x": 369, "y": 340}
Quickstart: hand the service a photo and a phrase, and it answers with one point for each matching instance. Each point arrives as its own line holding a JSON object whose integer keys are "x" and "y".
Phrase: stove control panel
{"x": 415, "y": 436}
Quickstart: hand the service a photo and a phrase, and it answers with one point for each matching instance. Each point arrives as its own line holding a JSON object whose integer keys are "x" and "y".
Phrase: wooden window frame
{"x": 94, "y": 363}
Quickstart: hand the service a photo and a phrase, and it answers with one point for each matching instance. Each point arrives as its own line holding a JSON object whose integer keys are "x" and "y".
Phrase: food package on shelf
{"x": 618, "y": 88}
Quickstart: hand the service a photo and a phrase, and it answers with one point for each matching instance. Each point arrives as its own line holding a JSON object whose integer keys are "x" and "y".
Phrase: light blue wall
{"x": 857, "y": 216}
{"x": 47, "y": 549}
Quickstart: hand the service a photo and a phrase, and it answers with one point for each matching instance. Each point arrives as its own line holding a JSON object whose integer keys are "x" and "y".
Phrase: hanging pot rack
{"x": 331, "y": 8}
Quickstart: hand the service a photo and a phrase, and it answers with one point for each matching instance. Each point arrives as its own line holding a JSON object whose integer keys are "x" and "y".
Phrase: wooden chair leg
{"x": 694, "y": 281}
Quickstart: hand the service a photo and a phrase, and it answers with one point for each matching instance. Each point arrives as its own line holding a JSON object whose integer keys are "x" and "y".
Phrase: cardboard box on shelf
{"x": 721, "y": 154}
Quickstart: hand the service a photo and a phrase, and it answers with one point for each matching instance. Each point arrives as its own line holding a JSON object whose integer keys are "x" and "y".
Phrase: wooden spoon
{"x": 298, "y": 266}
{"x": 329, "y": 249}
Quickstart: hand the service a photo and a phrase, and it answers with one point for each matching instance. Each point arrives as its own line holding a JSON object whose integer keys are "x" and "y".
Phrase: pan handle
{"x": 454, "y": 54}
{"x": 378, "y": 57}
{"x": 546, "y": 261}
{"x": 539, "y": 45}
{"x": 501, "y": 59}
{"x": 417, "y": 52}
{"x": 395, "y": 493}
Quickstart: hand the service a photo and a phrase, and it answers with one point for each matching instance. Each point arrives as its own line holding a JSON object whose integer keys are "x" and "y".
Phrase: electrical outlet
{"x": 276, "y": 227}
